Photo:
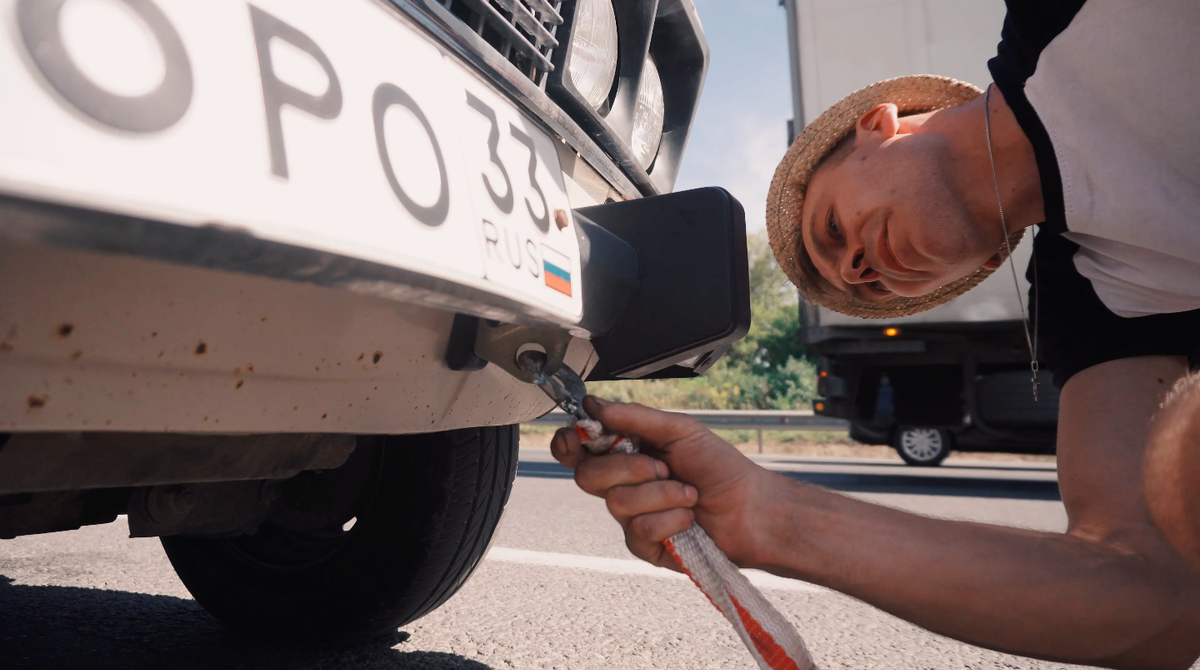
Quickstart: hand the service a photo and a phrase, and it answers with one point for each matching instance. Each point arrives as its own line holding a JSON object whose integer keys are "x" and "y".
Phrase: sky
{"x": 740, "y": 131}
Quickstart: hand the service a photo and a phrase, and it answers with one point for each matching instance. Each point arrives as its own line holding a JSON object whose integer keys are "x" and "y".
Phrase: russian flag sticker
{"x": 556, "y": 270}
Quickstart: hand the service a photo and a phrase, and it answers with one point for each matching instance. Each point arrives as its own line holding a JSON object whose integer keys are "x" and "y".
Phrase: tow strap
{"x": 771, "y": 640}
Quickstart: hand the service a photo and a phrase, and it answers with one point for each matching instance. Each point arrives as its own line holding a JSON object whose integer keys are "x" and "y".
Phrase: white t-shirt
{"x": 1105, "y": 90}
{"x": 1117, "y": 92}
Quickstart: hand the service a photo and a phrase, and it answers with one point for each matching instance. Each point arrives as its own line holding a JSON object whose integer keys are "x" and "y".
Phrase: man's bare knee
{"x": 1172, "y": 481}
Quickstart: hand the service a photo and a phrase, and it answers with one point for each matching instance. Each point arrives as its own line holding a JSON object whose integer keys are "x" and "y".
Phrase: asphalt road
{"x": 558, "y": 590}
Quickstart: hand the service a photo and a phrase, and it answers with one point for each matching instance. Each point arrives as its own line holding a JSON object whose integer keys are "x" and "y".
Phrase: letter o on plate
{"x": 387, "y": 95}
{"x": 157, "y": 110}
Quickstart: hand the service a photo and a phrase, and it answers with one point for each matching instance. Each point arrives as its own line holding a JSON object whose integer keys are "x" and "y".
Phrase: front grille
{"x": 523, "y": 31}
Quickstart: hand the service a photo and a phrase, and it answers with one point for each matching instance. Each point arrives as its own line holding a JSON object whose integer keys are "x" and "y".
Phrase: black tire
{"x": 922, "y": 447}
{"x": 424, "y": 507}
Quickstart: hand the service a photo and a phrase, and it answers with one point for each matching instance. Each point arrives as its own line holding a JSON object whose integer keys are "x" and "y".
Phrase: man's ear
{"x": 994, "y": 262}
{"x": 881, "y": 120}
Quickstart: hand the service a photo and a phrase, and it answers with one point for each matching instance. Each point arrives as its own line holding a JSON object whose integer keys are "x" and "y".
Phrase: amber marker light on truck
{"x": 820, "y": 406}
{"x": 891, "y": 332}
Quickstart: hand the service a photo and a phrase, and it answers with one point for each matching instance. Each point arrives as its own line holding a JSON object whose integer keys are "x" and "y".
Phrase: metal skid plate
{"x": 31, "y": 462}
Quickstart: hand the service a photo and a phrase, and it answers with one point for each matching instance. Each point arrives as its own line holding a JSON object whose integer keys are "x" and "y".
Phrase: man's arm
{"x": 1110, "y": 591}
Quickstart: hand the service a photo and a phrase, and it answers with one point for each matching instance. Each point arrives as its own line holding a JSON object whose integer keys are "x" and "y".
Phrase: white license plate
{"x": 326, "y": 124}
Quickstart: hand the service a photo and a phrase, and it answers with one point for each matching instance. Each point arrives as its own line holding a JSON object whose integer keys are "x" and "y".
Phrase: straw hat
{"x": 914, "y": 94}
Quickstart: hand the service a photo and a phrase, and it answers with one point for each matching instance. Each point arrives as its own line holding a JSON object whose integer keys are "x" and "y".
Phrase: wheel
{"x": 922, "y": 446}
{"x": 353, "y": 553}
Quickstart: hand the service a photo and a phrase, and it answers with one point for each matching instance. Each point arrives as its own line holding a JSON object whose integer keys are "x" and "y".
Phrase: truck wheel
{"x": 922, "y": 446}
{"x": 353, "y": 553}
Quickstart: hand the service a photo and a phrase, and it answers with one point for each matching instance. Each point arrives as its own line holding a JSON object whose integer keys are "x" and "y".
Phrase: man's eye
{"x": 878, "y": 288}
{"x": 831, "y": 227}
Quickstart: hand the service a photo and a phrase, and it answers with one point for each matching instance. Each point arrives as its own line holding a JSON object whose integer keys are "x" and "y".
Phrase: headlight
{"x": 648, "y": 116}
{"x": 593, "y": 61}
{"x": 629, "y": 73}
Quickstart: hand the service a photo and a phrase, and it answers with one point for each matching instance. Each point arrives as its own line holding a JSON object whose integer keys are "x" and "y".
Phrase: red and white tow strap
{"x": 772, "y": 641}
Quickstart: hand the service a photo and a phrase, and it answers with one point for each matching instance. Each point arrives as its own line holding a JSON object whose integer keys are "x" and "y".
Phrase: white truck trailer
{"x": 956, "y": 376}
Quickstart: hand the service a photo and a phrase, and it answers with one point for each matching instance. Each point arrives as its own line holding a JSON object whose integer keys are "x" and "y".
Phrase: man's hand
{"x": 686, "y": 474}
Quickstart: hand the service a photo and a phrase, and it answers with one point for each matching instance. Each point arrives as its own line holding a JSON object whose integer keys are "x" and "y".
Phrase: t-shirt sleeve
{"x": 1076, "y": 331}
{"x": 1029, "y": 25}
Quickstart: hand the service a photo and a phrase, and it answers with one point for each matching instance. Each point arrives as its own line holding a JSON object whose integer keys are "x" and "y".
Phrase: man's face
{"x": 887, "y": 220}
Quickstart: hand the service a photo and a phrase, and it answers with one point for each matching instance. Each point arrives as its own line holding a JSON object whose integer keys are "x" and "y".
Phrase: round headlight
{"x": 593, "y": 62}
{"x": 648, "y": 116}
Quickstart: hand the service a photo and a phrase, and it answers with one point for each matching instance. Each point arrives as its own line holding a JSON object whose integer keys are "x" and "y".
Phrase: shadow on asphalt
{"x": 71, "y": 627}
{"x": 974, "y": 487}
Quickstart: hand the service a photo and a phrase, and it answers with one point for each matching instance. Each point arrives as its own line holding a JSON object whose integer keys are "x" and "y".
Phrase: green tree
{"x": 765, "y": 370}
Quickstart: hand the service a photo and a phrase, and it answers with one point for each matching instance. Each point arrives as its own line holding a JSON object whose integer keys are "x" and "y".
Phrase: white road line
{"x": 625, "y": 566}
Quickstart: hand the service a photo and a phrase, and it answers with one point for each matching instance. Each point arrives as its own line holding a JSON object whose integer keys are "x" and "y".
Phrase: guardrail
{"x": 738, "y": 419}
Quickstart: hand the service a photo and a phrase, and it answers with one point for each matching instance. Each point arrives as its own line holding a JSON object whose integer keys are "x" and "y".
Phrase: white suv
{"x": 265, "y": 267}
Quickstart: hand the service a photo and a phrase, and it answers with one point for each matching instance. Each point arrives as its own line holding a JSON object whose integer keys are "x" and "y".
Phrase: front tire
{"x": 922, "y": 447}
{"x": 364, "y": 551}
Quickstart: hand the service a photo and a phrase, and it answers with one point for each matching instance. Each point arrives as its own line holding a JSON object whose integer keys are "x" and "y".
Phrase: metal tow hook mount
{"x": 501, "y": 343}
{"x": 564, "y": 386}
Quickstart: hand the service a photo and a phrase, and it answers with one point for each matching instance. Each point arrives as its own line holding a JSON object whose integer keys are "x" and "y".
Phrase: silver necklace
{"x": 1030, "y": 340}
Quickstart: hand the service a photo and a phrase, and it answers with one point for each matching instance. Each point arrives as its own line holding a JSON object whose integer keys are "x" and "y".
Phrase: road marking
{"x": 625, "y": 566}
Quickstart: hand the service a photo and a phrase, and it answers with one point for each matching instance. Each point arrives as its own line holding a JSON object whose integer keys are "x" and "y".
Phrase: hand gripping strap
{"x": 772, "y": 641}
